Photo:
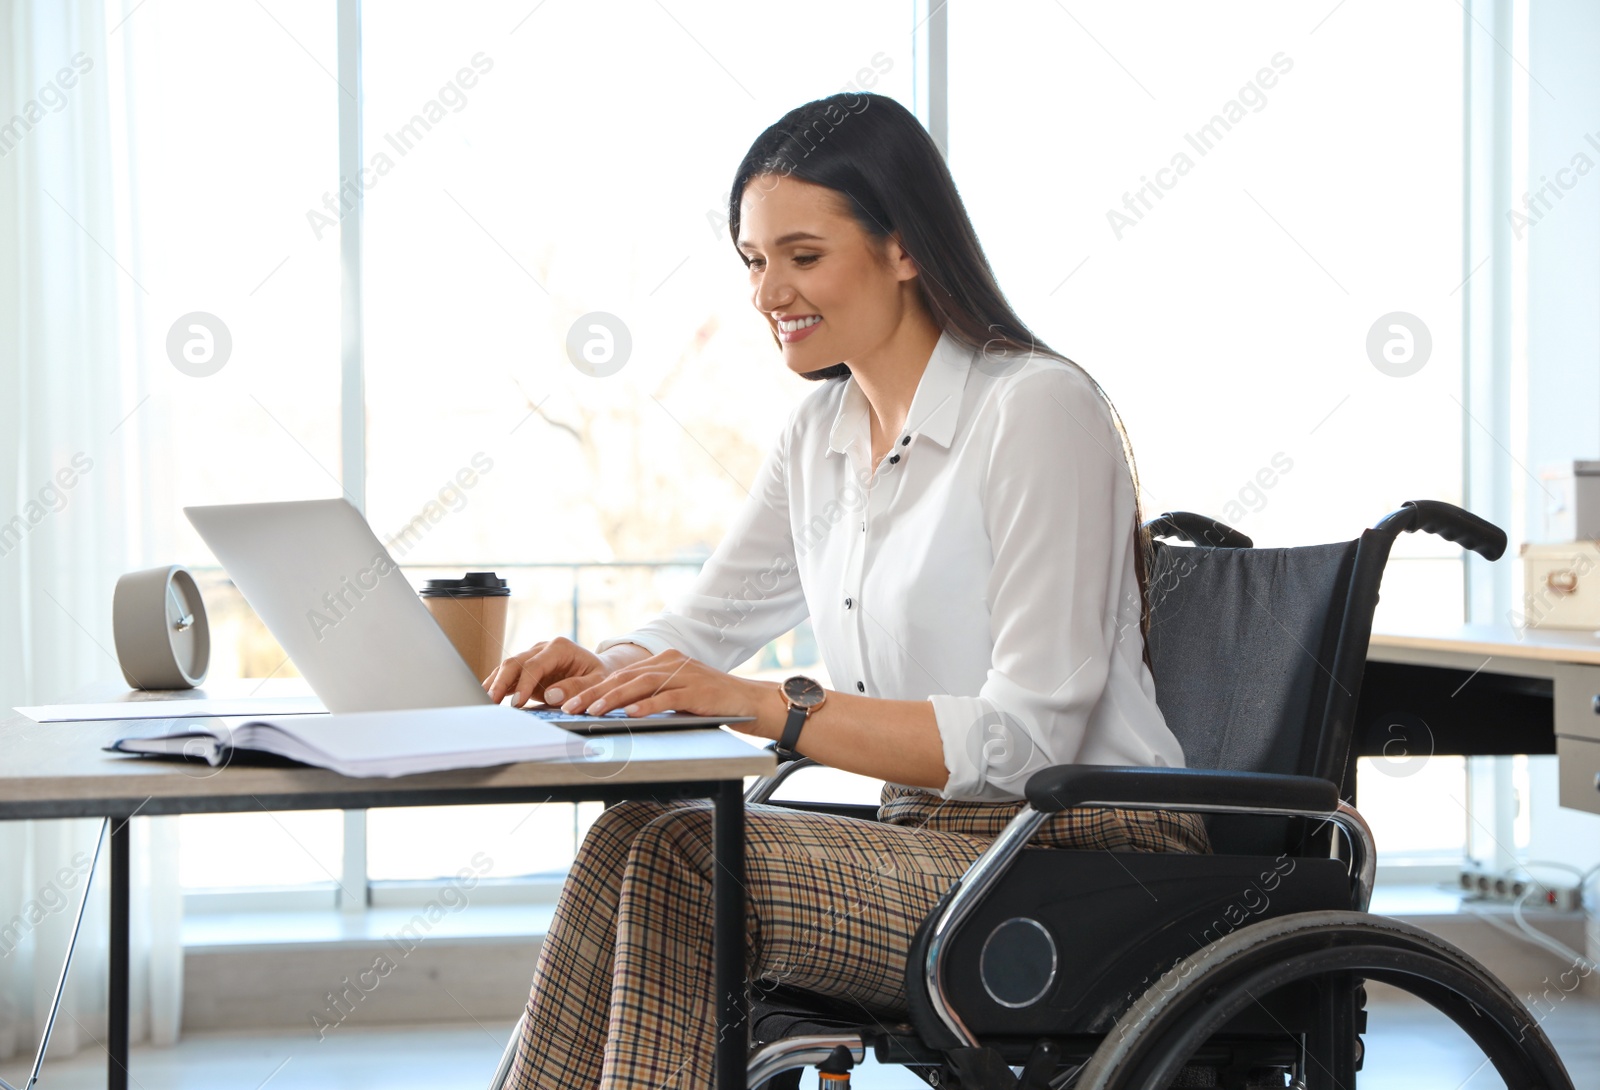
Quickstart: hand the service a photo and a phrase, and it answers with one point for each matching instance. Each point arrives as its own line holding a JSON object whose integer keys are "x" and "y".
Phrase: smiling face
{"x": 829, "y": 290}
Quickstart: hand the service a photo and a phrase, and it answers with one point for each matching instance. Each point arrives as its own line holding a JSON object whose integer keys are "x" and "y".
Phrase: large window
{"x": 1233, "y": 225}
{"x": 232, "y": 133}
{"x": 513, "y": 183}
{"x": 1210, "y": 216}
{"x": 1240, "y": 229}
{"x": 547, "y": 190}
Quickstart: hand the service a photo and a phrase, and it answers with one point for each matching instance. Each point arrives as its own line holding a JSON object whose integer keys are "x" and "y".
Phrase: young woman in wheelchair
{"x": 954, "y": 508}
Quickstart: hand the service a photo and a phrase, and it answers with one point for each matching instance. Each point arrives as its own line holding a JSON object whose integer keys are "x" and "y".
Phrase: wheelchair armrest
{"x": 762, "y": 789}
{"x": 1051, "y": 790}
{"x": 861, "y": 811}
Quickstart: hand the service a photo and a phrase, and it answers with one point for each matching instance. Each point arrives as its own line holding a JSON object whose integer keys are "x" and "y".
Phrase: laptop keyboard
{"x": 556, "y": 714}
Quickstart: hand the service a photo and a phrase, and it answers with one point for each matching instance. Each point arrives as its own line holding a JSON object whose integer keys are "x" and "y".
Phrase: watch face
{"x": 803, "y": 691}
{"x": 186, "y": 625}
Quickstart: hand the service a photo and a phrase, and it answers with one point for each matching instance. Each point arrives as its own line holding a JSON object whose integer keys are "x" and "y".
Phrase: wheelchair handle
{"x": 1197, "y": 530}
{"x": 1452, "y": 523}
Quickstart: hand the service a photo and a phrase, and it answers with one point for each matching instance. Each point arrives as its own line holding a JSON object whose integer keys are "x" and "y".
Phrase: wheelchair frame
{"x": 1155, "y": 1036}
{"x": 1132, "y": 1056}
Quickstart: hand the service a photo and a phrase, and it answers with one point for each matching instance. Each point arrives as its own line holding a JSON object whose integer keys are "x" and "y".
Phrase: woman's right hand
{"x": 554, "y": 669}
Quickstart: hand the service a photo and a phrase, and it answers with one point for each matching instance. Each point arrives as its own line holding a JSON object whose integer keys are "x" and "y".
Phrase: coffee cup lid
{"x": 476, "y": 584}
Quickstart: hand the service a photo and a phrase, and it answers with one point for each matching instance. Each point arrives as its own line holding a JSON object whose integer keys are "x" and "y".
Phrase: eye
{"x": 804, "y": 260}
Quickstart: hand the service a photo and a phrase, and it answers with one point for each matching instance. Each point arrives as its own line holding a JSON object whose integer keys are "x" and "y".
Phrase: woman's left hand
{"x": 672, "y": 681}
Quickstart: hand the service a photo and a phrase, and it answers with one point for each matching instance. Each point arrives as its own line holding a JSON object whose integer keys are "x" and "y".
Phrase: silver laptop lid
{"x": 325, "y": 586}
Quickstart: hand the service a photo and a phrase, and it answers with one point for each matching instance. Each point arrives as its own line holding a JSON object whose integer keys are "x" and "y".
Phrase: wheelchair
{"x": 1051, "y": 968}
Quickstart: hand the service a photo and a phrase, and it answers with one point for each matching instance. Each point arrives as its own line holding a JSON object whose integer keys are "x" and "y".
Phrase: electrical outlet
{"x": 1486, "y": 885}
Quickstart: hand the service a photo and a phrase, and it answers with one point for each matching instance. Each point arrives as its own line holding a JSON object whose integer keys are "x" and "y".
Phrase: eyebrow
{"x": 792, "y": 236}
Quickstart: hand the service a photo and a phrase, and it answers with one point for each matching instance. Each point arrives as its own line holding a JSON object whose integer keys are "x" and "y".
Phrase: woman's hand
{"x": 672, "y": 681}
{"x": 555, "y": 669}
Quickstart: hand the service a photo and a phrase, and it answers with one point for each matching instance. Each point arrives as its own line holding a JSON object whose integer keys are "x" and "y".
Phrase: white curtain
{"x": 69, "y": 490}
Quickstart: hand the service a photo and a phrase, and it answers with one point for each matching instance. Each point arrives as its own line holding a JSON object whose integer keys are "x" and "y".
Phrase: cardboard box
{"x": 1561, "y": 585}
{"x": 1571, "y": 498}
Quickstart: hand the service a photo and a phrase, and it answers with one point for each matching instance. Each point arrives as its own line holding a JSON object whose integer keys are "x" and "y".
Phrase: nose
{"x": 770, "y": 292}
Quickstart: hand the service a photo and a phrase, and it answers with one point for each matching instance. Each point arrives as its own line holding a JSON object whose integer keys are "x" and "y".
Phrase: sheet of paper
{"x": 229, "y": 696}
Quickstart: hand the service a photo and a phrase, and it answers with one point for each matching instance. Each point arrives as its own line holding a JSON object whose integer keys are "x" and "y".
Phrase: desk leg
{"x": 117, "y": 1000}
{"x": 733, "y": 1007}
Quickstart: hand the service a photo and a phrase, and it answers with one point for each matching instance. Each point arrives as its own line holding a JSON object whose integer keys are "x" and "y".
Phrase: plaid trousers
{"x": 622, "y": 995}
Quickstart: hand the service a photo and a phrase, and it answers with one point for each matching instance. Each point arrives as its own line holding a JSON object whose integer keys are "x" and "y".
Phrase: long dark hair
{"x": 874, "y": 152}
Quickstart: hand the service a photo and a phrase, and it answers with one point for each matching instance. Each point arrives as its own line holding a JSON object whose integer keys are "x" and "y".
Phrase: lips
{"x": 791, "y": 336}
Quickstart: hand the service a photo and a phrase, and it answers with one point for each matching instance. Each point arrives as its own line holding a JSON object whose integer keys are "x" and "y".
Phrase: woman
{"x": 954, "y": 510}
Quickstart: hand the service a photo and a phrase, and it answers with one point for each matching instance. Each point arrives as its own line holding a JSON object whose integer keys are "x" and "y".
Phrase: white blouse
{"x": 987, "y": 567}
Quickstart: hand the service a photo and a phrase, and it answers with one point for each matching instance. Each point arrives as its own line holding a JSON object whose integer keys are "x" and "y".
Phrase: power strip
{"x": 1482, "y": 885}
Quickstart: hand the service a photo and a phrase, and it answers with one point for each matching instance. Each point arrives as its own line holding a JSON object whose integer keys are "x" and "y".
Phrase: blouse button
{"x": 893, "y": 459}
{"x": 848, "y": 602}
{"x": 905, "y": 440}
{"x": 861, "y": 686}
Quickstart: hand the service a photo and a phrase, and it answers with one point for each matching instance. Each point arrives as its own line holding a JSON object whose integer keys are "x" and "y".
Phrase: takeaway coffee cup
{"x": 472, "y": 612}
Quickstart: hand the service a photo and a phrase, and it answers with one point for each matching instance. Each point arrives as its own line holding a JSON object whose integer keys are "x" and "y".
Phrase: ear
{"x": 905, "y": 268}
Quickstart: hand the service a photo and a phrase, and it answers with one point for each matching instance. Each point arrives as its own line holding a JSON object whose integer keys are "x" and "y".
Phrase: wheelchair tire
{"x": 1151, "y": 1042}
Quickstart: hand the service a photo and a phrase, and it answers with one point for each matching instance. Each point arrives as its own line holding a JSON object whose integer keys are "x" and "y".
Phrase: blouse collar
{"x": 935, "y": 406}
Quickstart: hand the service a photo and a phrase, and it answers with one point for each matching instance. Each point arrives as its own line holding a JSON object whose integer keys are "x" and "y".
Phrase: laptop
{"x": 326, "y": 587}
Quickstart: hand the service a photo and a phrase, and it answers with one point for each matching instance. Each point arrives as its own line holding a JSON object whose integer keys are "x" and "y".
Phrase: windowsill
{"x": 1411, "y": 901}
{"x": 226, "y": 931}
{"x": 223, "y": 931}
{"x": 1416, "y": 900}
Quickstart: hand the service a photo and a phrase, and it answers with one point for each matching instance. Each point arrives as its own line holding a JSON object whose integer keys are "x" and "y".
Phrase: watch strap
{"x": 791, "y": 732}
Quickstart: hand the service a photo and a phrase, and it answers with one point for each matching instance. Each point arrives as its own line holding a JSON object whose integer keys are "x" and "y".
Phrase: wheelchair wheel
{"x": 1150, "y": 1044}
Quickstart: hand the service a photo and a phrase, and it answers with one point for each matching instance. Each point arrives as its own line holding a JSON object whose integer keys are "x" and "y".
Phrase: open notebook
{"x": 387, "y": 743}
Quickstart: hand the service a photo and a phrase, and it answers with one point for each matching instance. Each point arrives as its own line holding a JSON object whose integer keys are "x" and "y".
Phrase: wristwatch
{"x": 802, "y": 694}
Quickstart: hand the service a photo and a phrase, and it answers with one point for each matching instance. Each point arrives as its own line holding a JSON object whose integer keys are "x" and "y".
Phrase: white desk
{"x": 1499, "y": 689}
{"x": 57, "y": 770}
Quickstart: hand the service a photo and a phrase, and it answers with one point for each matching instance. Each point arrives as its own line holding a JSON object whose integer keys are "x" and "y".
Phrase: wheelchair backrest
{"x": 1242, "y": 645}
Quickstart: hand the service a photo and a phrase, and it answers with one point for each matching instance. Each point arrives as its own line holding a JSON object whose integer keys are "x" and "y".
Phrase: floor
{"x": 1409, "y": 1047}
